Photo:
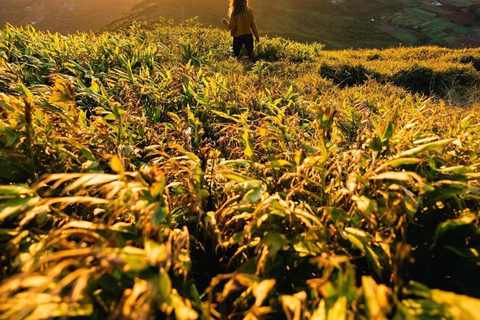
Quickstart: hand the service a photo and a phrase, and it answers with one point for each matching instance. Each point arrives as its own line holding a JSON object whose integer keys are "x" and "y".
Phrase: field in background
{"x": 343, "y": 24}
{"x": 448, "y": 22}
{"x": 339, "y": 24}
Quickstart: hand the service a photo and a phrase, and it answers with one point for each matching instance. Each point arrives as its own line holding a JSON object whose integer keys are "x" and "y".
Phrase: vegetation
{"x": 338, "y": 25}
{"x": 450, "y": 25}
{"x": 145, "y": 174}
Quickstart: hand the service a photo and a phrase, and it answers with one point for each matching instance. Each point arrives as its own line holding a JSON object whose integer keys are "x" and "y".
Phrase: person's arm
{"x": 232, "y": 24}
{"x": 225, "y": 23}
{"x": 254, "y": 26}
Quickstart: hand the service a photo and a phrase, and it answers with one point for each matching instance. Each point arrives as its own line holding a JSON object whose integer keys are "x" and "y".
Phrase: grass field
{"x": 346, "y": 24}
{"x": 343, "y": 25}
{"x": 432, "y": 23}
{"x": 146, "y": 174}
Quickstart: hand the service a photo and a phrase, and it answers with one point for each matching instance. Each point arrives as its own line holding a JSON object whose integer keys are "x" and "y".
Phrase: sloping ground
{"x": 440, "y": 23}
{"x": 344, "y": 25}
{"x": 63, "y": 15}
{"x": 146, "y": 175}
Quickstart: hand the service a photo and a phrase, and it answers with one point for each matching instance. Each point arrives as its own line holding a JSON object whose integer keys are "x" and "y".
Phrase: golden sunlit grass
{"x": 145, "y": 174}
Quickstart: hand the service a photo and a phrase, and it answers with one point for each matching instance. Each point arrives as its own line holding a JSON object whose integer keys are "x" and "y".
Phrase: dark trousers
{"x": 238, "y": 42}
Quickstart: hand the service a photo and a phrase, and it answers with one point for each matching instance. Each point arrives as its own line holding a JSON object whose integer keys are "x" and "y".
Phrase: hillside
{"x": 344, "y": 24}
{"x": 339, "y": 24}
{"x": 63, "y": 15}
{"x": 146, "y": 174}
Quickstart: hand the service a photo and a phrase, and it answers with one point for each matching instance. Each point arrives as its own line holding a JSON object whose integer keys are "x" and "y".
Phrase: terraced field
{"x": 447, "y": 23}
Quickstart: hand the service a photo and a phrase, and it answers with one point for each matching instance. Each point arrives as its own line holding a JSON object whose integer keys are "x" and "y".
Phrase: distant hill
{"x": 63, "y": 15}
{"x": 338, "y": 24}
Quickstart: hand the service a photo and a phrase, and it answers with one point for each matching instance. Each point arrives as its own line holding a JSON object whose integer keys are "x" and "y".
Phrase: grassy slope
{"x": 338, "y": 26}
{"x": 54, "y": 15}
{"x": 146, "y": 173}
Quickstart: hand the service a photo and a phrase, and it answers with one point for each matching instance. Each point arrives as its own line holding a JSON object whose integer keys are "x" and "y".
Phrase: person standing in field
{"x": 242, "y": 24}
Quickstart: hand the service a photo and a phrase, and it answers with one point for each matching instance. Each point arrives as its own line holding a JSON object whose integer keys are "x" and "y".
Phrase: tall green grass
{"x": 146, "y": 174}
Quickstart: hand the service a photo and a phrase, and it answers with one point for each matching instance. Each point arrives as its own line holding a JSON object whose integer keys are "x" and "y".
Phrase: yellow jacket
{"x": 243, "y": 24}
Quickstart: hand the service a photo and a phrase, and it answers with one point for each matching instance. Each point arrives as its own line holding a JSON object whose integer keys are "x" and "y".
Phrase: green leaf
{"x": 261, "y": 291}
{"x": 275, "y": 243}
{"x": 165, "y": 286}
{"x": 473, "y": 176}
{"x": 63, "y": 94}
{"x": 442, "y": 194}
{"x": 87, "y": 153}
{"x": 95, "y": 87}
{"x": 376, "y": 256}
{"x": 280, "y": 163}
{"x": 159, "y": 215}
{"x": 84, "y": 225}
{"x": 321, "y": 312}
{"x": 16, "y": 206}
{"x": 223, "y": 115}
{"x": 7, "y": 106}
{"x": 376, "y": 144}
{"x": 155, "y": 253}
{"x": 255, "y": 190}
{"x": 183, "y": 310}
{"x": 450, "y": 225}
{"x": 426, "y": 147}
{"x": 339, "y": 310}
{"x": 133, "y": 258}
{"x": 7, "y": 234}
{"x": 366, "y": 206}
{"x": 370, "y": 289}
{"x": 395, "y": 163}
{"x": 56, "y": 309}
{"x": 158, "y": 187}
{"x": 248, "y": 144}
{"x": 388, "y": 132}
{"x": 15, "y": 190}
{"x": 26, "y": 92}
{"x": 399, "y": 176}
{"x": 460, "y": 306}
{"x": 235, "y": 163}
{"x": 123, "y": 227}
{"x": 231, "y": 175}
{"x": 117, "y": 165}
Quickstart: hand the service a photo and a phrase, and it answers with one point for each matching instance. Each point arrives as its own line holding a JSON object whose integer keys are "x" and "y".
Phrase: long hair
{"x": 237, "y": 7}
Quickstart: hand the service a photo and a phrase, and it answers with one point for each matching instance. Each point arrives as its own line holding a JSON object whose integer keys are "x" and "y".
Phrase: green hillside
{"x": 146, "y": 174}
{"x": 346, "y": 24}
{"x": 339, "y": 24}
{"x": 65, "y": 16}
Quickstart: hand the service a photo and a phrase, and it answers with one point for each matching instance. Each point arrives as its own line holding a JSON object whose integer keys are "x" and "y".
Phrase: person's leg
{"x": 237, "y": 46}
{"x": 249, "y": 46}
